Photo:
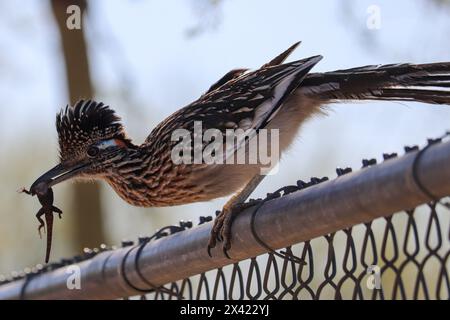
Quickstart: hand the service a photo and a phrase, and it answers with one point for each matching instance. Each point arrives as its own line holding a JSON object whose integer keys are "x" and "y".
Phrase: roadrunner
{"x": 93, "y": 143}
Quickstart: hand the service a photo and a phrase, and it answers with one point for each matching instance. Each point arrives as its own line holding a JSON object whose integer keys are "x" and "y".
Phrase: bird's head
{"x": 91, "y": 139}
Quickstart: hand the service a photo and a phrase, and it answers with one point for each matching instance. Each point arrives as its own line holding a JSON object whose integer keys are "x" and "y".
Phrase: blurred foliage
{"x": 209, "y": 15}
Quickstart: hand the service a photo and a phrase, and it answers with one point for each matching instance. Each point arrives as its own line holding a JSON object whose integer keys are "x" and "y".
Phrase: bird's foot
{"x": 221, "y": 230}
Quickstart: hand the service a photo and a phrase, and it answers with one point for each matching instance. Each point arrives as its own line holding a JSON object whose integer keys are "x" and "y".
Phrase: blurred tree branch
{"x": 86, "y": 206}
{"x": 352, "y": 19}
{"x": 442, "y": 3}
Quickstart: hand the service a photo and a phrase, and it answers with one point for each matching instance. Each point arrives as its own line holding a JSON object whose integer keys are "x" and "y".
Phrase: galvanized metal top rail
{"x": 353, "y": 198}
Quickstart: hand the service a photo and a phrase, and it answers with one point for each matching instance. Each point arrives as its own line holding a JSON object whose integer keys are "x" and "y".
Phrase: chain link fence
{"x": 403, "y": 256}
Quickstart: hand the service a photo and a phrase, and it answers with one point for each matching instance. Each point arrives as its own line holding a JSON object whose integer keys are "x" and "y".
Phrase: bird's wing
{"x": 247, "y": 102}
{"x": 282, "y": 56}
{"x": 254, "y": 97}
{"x": 235, "y": 73}
{"x": 230, "y": 75}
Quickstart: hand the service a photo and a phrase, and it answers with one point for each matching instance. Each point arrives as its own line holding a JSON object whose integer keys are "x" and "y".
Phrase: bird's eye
{"x": 93, "y": 151}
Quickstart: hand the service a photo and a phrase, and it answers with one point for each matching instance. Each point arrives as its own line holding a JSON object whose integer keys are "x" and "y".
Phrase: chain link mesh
{"x": 403, "y": 256}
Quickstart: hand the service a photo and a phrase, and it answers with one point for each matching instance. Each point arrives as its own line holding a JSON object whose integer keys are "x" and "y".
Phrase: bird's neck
{"x": 147, "y": 177}
{"x": 137, "y": 178}
{"x": 127, "y": 177}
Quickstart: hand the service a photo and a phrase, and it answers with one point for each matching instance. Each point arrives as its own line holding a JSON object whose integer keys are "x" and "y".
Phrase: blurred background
{"x": 149, "y": 58}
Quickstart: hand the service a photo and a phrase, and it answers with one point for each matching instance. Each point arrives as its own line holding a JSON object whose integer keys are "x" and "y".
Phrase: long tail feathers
{"x": 428, "y": 83}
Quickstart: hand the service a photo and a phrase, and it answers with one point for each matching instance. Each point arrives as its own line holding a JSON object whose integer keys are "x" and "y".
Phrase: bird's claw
{"x": 221, "y": 230}
{"x": 218, "y": 231}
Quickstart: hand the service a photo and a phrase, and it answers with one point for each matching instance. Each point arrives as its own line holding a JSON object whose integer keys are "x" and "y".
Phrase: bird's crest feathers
{"x": 84, "y": 123}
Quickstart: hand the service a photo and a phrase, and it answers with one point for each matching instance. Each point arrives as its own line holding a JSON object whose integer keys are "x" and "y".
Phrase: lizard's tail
{"x": 49, "y": 222}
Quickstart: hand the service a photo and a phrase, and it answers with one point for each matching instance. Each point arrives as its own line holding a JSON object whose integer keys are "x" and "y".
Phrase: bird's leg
{"x": 221, "y": 230}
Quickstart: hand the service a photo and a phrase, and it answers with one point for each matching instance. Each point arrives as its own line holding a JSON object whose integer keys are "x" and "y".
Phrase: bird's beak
{"x": 58, "y": 174}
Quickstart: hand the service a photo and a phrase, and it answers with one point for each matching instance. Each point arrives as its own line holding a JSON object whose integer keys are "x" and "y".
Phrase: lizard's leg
{"x": 221, "y": 230}
{"x": 39, "y": 215}
{"x": 57, "y": 210}
{"x": 23, "y": 190}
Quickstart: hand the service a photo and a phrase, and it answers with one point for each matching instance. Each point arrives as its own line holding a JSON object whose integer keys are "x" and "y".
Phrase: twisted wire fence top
{"x": 382, "y": 256}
